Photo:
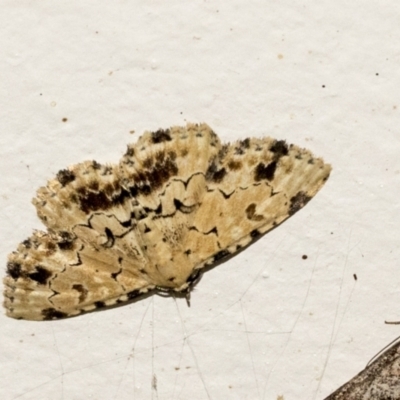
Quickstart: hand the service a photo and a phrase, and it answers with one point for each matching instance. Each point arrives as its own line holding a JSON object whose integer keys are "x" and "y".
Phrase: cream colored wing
{"x": 252, "y": 187}
{"x": 52, "y": 277}
{"x": 178, "y": 200}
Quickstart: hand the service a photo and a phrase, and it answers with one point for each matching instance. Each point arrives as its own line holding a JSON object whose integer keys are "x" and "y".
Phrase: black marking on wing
{"x": 255, "y": 233}
{"x": 110, "y": 238}
{"x": 298, "y": 201}
{"x": 234, "y": 165}
{"x": 133, "y": 294}
{"x": 90, "y": 200}
{"x": 14, "y": 269}
{"x": 52, "y": 313}
{"x": 279, "y": 148}
{"x": 183, "y": 208}
{"x": 162, "y": 135}
{"x": 211, "y": 231}
{"x": 226, "y": 195}
{"x": 146, "y": 229}
{"x": 27, "y": 243}
{"x": 79, "y": 262}
{"x": 214, "y": 174}
{"x": 83, "y": 292}
{"x": 263, "y": 171}
{"x": 220, "y": 255}
{"x": 65, "y": 176}
{"x": 251, "y": 213}
{"x": 65, "y": 240}
{"x": 41, "y": 275}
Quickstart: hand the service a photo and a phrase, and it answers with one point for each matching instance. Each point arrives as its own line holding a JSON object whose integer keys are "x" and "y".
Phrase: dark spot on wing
{"x": 90, "y": 201}
{"x": 114, "y": 275}
{"x": 64, "y": 245}
{"x": 50, "y": 247}
{"x": 214, "y": 174}
{"x": 250, "y": 210}
{"x": 52, "y": 313}
{"x": 41, "y": 275}
{"x": 239, "y": 151}
{"x": 161, "y": 136}
{"x": 194, "y": 277}
{"x": 162, "y": 172}
{"x": 263, "y": 171}
{"x": 251, "y": 213}
{"x": 96, "y": 165}
{"x": 221, "y": 254}
{"x": 184, "y": 208}
{"x": 245, "y": 144}
{"x": 130, "y": 151}
{"x": 160, "y": 156}
{"x": 100, "y": 304}
{"x": 212, "y": 231}
{"x": 154, "y": 178}
{"x": 298, "y": 201}
{"x": 280, "y": 148}
{"x": 65, "y": 241}
{"x": 133, "y": 294}
{"x": 234, "y": 165}
{"x": 126, "y": 224}
{"x": 145, "y": 189}
{"x": 83, "y": 292}
{"x": 93, "y": 201}
{"x": 110, "y": 238}
{"x": 255, "y": 233}
{"x": 93, "y": 185}
{"x": 158, "y": 210}
{"x": 148, "y": 162}
{"x": 65, "y": 176}
{"x": 14, "y": 270}
{"x": 27, "y": 243}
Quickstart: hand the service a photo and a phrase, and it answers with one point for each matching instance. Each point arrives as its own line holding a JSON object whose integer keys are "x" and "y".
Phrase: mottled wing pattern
{"x": 89, "y": 258}
{"x": 380, "y": 380}
{"x": 252, "y": 186}
{"x": 177, "y": 201}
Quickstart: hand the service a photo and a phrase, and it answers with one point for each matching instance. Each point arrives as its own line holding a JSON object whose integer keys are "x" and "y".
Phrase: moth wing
{"x": 165, "y": 172}
{"x": 252, "y": 186}
{"x": 49, "y": 278}
{"x": 177, "y": 200}
{"x": 105, "y": 230}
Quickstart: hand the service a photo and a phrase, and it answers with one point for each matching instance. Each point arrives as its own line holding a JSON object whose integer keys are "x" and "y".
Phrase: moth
{"x": 178, "y": 201}
{"x": 380, "y": 380}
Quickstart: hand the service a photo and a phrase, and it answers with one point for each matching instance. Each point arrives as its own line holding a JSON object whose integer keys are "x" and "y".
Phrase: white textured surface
{"x": 324, "y": 75}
